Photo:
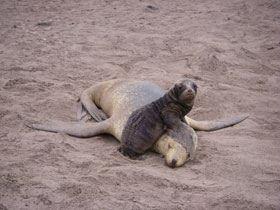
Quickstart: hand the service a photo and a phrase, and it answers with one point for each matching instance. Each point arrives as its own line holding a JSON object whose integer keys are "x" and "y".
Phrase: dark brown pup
{"x": 148, "y": 123}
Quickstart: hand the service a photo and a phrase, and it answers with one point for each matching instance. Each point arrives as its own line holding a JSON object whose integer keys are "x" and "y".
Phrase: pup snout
{"x": 190, "y": 91}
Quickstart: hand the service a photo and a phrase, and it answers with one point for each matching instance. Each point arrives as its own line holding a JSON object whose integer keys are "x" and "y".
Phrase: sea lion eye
{"x": 180, "y": 86}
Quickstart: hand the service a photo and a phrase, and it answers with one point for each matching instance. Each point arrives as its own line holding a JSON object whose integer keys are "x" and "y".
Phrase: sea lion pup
{"x": 118, "y": 99}
{"x": 147, "y": 124}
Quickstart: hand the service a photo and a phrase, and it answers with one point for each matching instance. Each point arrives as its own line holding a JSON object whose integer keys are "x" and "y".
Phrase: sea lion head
{"x": 185, "y": 91}
{"x": 181, "y": 150}
{"x": 176, "y": 156}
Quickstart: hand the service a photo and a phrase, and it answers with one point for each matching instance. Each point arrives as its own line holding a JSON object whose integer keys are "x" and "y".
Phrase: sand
{"x": 52, "y": 50}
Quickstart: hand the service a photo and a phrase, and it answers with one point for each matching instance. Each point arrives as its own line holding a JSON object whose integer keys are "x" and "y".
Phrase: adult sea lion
{"x": 118, "y": 99}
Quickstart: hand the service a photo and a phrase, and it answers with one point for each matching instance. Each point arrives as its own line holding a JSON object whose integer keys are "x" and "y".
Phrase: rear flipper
{"x": 215, "y": 124}
{"x": 86, "y": 103}
{"x": 84, "y": 115}
{"x": 77, "y": 129}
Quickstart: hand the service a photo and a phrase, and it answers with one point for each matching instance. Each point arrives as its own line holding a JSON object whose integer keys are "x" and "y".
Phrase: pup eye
{"x": 181, "y": 87}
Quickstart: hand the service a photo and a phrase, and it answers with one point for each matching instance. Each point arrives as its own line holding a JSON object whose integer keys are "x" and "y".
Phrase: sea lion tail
{"x": 215, "y": 124}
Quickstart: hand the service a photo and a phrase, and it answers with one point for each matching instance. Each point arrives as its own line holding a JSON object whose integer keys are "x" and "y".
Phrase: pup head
{"x": 184, "y": 92}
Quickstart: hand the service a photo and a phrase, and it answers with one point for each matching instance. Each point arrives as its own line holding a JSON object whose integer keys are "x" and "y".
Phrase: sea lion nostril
{"x": 174, "y": 162}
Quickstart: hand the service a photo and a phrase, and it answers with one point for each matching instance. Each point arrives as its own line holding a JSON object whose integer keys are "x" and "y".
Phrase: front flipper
{"x": 128, "y": 152}
{"x": 77, "y": 129}
{"x": 212, "y": 125}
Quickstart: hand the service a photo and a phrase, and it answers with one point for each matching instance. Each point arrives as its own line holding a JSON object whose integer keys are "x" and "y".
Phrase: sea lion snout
{"x": 173, "y": 163}
{"x": 188, "y": 95}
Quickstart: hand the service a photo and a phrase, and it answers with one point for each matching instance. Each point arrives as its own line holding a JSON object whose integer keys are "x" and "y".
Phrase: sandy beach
{"x": 50, "y": 51}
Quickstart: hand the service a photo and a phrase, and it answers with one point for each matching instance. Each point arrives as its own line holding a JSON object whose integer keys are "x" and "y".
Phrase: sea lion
{"x": 148, "y": 123}
{"x": 118, "y": 99}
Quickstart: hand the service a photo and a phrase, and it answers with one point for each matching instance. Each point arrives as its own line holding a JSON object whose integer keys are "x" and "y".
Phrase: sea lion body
{"x": 118, "y": 99}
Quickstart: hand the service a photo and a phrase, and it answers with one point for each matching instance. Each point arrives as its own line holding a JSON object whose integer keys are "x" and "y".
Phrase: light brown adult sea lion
{"x": 118, "y": 99}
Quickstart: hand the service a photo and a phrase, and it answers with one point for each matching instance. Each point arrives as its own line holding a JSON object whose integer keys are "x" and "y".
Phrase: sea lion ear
{"x": 195, "y": 86}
